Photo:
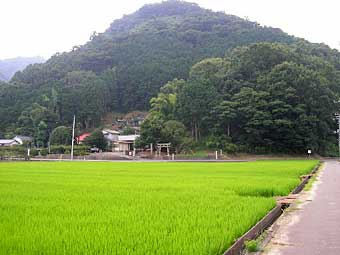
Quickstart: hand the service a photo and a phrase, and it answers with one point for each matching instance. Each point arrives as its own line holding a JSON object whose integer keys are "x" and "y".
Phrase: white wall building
{"x": 8, "y": 142}
{"x": 126, "y": 142}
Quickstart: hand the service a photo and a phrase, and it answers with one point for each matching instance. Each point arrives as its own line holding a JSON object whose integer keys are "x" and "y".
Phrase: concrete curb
{"x": 255, "y": 231}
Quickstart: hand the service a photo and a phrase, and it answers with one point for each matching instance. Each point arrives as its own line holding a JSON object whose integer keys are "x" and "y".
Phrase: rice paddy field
{"x": 137, "y": 208}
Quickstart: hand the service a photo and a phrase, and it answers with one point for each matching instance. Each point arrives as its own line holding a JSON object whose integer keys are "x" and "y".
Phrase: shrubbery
{"x": 11, "y": 152}
{"x": 224, "y": 143}
{"x": 61, "y": 136}
{"x": 21, "y": 152}
{"x": 96, "y": 139}
{"x": 79, "y": 150}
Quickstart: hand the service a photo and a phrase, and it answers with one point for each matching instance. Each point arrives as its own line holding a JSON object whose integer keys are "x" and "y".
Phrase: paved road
{"x": 314, "y": 226}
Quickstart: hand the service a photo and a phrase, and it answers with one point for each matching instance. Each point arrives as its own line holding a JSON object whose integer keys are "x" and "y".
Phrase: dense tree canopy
{"x": 96, "y": 139}
{"x": 263, "y": 97}
{"x": 61, "y": 136}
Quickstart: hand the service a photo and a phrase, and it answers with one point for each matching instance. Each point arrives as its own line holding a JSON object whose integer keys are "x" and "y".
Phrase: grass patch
{"x": 136, "y": 208}
{"x": 194, "y": 155}
{"x": 310, "y": 183}
{"x": 252, "y": 246}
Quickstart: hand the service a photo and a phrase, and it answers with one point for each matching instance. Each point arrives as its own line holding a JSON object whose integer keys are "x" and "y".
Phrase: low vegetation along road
{"x": 313, "y": 226}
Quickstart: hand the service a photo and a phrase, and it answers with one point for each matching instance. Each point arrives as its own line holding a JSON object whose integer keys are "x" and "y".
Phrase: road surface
{"x": 312, "y": 226}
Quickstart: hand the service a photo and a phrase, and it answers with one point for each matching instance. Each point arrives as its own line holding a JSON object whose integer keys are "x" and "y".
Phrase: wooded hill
{"x": 261, "y": 98}
{"x": 128, "y": 63}
{"x": 123, "y": 68}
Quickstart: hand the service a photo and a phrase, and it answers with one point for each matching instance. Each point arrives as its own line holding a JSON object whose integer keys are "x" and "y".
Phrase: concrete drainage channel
{"x": 283, "y": 203}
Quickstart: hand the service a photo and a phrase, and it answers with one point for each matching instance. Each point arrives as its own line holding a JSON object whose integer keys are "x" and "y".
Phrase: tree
{"x": 212, "y": 70}
{"x": 263, "y": 97}
{"x": 40, "y": 113}
{"x": 164, "y": 104}
{"x": 41, "y": 136}
{"x": 151, "y": 130}
{"x": 173, "y": 132}
{"x": 128, "y": 131}
{"x": 25, "y": 124}
{"x": 96, "y": 139}
{"x": 37, "y": 121}
{"x": 109, "y": 78}
{"x": 302, "y": 106}
{"x": 224, "y": 115}
{"x": 195, "y": 101}
{"x": 253, "y": 118}
{"x": 85, "y": 95}
{"x": 61, "y": 136}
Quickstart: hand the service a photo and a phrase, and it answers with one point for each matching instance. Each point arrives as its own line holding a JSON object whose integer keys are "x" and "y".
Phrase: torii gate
{"x": 163, "y": 145}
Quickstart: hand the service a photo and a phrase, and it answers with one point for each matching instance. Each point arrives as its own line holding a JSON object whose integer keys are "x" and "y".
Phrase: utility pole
{"x": 74, "y": 125}
{"x": 338, "y": 117}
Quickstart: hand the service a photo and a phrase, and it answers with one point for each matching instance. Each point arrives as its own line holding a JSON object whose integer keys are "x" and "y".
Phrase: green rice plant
{"x": 136, "y": 208}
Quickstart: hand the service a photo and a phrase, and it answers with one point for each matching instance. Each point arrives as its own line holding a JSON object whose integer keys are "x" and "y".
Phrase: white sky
{"x": 44, "y": 27}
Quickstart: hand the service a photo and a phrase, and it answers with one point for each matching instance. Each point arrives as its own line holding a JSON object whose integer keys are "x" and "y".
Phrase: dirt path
{"x": 312, "y": 225}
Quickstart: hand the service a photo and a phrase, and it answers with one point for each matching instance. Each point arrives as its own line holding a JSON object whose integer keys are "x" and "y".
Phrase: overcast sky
{"x": 44, "y": 27}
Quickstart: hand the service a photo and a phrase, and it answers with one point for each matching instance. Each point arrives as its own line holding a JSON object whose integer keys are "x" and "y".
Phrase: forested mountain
{"x": 9, "y": 67}
{"x": 133, "y": 59}
{"x": 123, "y": 68}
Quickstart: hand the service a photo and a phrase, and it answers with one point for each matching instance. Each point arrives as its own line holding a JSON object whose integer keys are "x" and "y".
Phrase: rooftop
{"x": 7, "y": 141}
{"x": 128, "y": 137}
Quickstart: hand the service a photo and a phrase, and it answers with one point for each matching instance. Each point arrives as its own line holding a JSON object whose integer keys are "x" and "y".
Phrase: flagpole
{"x": 74, "y": 125}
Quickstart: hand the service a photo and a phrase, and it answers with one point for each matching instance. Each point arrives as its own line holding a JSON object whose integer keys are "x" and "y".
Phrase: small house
{"x": 126, "y": 142}
{"x": 23, "y": 139}
{"x": 111, "y": 137}
{"x": 80, "y": 139}
{"x": 8, "y": 142}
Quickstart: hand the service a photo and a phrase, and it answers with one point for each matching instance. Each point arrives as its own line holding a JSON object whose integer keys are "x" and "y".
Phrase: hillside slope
{"x": 152, "y": 46}
{"x": 123, "y": 68}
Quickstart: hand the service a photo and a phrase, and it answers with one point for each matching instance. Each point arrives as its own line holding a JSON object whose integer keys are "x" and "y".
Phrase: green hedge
{"x": 79, "y": 150}
{"x": 21, "y": 151}
{"x": 13, "y": 152}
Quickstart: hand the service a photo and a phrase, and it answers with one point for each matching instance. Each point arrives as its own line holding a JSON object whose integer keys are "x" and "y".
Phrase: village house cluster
{"x": 116, "y": 141}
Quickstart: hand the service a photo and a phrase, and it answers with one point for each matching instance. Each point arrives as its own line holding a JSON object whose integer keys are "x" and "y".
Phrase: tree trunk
{"x": 196, "y": 132}
{"x": 192, "y": 129}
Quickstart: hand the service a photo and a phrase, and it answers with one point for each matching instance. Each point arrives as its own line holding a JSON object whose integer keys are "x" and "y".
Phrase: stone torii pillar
{"x": 164, "y": 145}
